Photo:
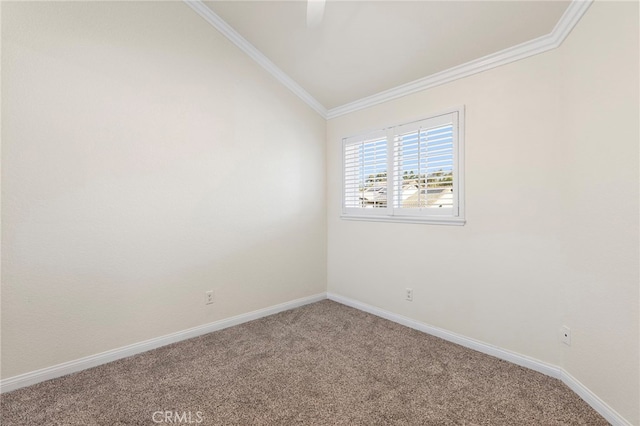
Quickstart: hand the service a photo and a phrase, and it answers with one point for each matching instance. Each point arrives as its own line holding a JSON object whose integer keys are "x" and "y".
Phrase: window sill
{"x": 455, "y": 221}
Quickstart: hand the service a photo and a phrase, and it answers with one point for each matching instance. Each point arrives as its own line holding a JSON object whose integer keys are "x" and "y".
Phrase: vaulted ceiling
{"x": 364, "y": 49}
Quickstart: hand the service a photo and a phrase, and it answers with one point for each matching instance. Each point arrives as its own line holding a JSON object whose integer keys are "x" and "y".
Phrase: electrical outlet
{"x": 408, "y": 294}
{"x": 208, "y": 297}
{"x": 565, "y": 335}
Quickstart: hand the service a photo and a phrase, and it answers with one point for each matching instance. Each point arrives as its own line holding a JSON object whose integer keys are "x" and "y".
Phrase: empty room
{"x": 320, "y": 212}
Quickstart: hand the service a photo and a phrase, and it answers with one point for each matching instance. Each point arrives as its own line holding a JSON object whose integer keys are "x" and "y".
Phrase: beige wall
{"x": 145, "y": 160}
{"x": 552, "y": 209}
{"x": 601, "y": 241}
{"x": 133, "y": 135}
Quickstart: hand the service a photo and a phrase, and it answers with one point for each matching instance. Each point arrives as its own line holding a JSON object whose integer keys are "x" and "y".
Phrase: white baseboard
{"x": 611, "y": 415}
{"x": 63, "y": 369}
{"x": 542, "y": 367}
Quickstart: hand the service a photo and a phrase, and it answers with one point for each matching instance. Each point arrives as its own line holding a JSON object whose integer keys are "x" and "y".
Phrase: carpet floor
{"x": 324, "y": 364}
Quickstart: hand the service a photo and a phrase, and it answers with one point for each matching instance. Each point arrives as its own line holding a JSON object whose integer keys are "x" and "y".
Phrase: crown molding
{"x": 554, "y": 39}
{"x": 225, "y": 29}
{"x": 567, "y": 22}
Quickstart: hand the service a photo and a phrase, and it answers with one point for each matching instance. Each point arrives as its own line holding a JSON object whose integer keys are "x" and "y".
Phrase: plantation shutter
{"x": 365, "y": 173}
{"x": 424, "y": 167}
{"x": 408, "y": 173}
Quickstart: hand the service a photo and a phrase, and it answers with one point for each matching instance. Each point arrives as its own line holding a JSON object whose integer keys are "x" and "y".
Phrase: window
{"x": 408, "y": 173}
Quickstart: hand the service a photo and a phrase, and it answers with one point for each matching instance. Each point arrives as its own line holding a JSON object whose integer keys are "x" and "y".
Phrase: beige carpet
{"x": 323, "y": 363}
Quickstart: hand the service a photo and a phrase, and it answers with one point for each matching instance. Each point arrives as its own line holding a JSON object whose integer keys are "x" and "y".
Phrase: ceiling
{"x": 362, "y": 48}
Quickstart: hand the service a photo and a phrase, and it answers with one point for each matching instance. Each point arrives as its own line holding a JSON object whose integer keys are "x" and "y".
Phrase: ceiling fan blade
{"x": 315, "y": 12}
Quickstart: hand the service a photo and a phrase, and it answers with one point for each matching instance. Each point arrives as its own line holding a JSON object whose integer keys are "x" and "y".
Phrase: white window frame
{"x": 447, "y": 216}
